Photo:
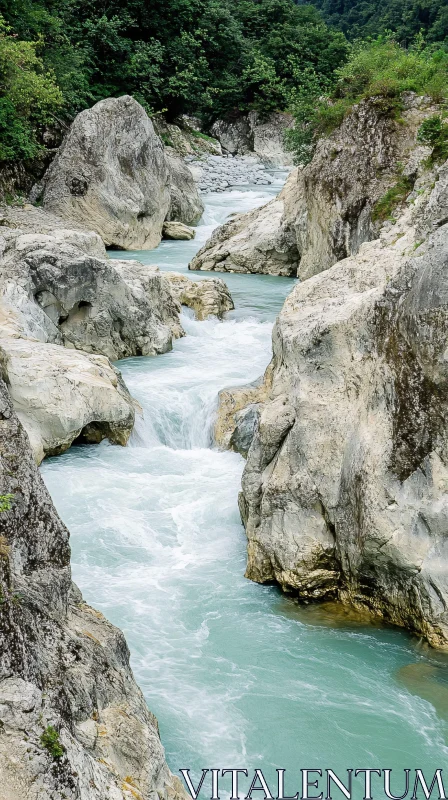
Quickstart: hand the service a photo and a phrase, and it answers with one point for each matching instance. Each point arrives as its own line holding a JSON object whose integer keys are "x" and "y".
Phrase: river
{"x": 237, "y": 674}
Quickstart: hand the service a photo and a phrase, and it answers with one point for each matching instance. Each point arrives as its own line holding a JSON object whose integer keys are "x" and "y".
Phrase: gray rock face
{"x": 206, "y": 298}
{"x": 344, "y": 493}
{"x": 111, "y": 175}
{"x": 246, "y": 426}
{"x": 252, "y": 242}
{"x": 185, "y": 203}
{"x": 112, "y": 308}
{"x": 330, "y": 208}
{"x": 62, "y": 664}
{"x": 251, "y": 133}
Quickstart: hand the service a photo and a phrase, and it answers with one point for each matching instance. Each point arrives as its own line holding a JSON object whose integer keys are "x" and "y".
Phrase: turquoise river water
{"x": 238, "y": 674}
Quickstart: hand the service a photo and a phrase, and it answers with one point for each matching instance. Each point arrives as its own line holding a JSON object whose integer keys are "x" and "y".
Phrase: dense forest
{"x": 211, "y": 58}
{"x": 405, "y": 18}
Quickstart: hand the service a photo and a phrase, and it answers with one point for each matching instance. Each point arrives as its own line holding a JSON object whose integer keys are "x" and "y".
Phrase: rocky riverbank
{"x": 218, "y": 173}
{"x": 73, "y": 723}
{"x": 344, "y": 493}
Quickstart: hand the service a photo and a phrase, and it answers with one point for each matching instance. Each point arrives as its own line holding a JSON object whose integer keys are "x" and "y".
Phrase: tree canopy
{"x": 359, "y": 19}
{"x": 202, "y": 57}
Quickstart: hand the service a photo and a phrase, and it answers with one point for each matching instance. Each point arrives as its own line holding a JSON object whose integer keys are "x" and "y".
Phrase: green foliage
{"x": 405, "y": 18}
{"x": 28, "y": 96}
{"x": 379, "y": 69}
{"x": 200, "y": 135}
{"x": 50, "y": 740}
{"x": 202, "y": 57}
{"x": 5, "y": 502}
{"x": 394, "y": 196}
{"x": 434, "y": 132}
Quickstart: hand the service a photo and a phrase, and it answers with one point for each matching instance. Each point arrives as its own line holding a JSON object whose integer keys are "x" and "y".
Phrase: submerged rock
{"x": 177, "y": 230}
{"x": 206, "y": 298}
{"x": 111, "y": 175}
{"x": 344, "y": 489}
{"x": 73, "y": 722}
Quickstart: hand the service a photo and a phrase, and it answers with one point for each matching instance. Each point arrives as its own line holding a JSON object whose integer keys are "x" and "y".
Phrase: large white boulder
{"x": 60, "y": 395}
{"x": 113, "y": 308}
{"x": 208, "y": 297}
{"x": 344, "y": 494}
{"x": 111, "y": 175}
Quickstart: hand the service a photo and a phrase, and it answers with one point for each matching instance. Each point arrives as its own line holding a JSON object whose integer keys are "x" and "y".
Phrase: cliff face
{"x": 253, "y": 133}
{"x": 344, "y": 494}
{"x": 331, "y": 207}
{"x": 73, "y": 723}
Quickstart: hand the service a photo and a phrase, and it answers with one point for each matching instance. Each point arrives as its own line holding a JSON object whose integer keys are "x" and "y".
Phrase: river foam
{"x": 237, "y": 674}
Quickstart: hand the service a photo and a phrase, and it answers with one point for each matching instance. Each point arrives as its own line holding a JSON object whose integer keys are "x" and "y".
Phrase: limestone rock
{"x": 344, "y": 493}
{"x": 62, "y": 664}
{"x": 206, "y": 297}
{"x": 33, "y": 219}
{"x": 251, "y": 242}
{"x": 177, "y": 230}
{"x": 111, "y": 175}
{"x": 112, "y": 308}
{"x": 185, "y": 203}
{"x": 331, "y": 208}
{"x": 233, "y": 402}
{"x": 61, "y": 395}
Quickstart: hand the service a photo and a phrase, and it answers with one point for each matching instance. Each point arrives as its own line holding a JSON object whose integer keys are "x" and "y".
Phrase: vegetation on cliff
{"x": 380, "y": 69}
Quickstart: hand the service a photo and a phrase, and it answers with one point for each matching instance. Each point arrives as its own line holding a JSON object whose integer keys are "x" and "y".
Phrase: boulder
{"x": 344, "y": 490}
{"x": 252, "y": 242}
{"x": 185, "y": 203}
{"x": 234, "y": 135}
{"x": 232, "y": 403}
{"x": 64, "y": 669}
{"x": 111, "y": 175}
{"x": 112, "y": 308}
{"x": 177, "y": 230}
{"x": 209, "y": 297}
{"x": 61, "y": 395}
